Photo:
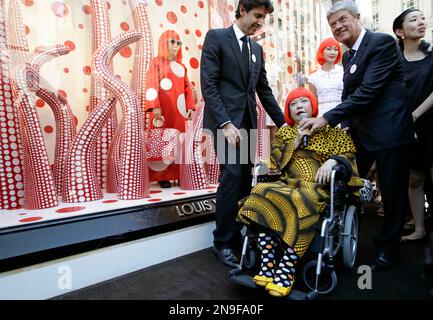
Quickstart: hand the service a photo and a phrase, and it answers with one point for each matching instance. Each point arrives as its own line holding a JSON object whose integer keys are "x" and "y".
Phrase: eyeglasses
{"x": 174, "y": 41}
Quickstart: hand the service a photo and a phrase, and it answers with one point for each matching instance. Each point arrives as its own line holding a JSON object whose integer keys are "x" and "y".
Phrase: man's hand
{"x": 190, "y": 114}
{"x": 312, "y": 124}
{"x": 231, "y": 133}
{"x": 324, "y": 173}
{"x": 157, "y": 113}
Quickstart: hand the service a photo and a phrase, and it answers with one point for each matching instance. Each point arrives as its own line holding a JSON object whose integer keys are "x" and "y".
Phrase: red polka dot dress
{"x": 168, "y": 88}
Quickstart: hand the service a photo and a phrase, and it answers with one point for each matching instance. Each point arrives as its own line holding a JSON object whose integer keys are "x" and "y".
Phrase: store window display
{"x": 169, "y": 98}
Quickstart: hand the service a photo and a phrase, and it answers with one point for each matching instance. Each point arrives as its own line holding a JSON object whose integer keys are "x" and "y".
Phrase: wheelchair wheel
{"x": 350, "y": 238}
{"x": 327, "y": 280}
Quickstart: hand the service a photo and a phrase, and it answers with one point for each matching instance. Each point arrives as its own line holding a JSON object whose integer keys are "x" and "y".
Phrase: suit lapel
{"x": 255, "y": 52}
{"x": 234, "y": 43}
{"x": 359, "y": 54}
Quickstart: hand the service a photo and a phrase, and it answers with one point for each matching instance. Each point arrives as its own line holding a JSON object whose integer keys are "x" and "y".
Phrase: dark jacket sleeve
{"x": 267, "y": 98}
{"x": 209, "y": 77}
{"x": 382, "y": 64}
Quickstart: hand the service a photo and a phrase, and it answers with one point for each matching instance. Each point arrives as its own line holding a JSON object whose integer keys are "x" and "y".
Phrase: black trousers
{"x": 393, "y": 174}
{"x": 236, "y": 163}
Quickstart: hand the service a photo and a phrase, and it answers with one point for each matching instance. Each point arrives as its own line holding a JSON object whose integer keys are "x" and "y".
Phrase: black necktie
{"x": 350, "y": 57}
{"x": 246, "y": 55}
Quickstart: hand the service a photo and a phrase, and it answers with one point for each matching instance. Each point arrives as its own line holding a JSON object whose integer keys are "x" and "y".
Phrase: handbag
{"x": 162, "y": 144}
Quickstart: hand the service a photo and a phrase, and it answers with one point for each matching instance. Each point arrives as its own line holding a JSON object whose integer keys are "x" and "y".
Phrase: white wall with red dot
{"x": 49, "y": 22}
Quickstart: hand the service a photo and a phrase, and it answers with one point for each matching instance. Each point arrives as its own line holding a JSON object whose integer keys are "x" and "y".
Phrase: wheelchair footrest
{"x": 243, "y": 280}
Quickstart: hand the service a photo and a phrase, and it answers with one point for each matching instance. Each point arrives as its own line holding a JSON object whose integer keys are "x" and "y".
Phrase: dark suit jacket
{"x": 374, "y": 96}
{"x": 226, "y": 90}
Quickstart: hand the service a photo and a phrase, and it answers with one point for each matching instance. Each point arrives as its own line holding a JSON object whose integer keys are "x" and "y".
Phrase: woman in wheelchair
{"x": 287, "y": 211}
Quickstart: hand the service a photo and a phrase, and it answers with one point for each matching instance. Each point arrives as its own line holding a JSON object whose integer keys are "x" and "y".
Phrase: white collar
{"x": 359, "y": 40}
{"x": 238, "y": 32}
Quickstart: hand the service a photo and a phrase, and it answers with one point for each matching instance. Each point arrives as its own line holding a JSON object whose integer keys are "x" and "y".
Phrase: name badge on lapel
{"x": 253, "y": 57}
{"x": 353, "y": 69}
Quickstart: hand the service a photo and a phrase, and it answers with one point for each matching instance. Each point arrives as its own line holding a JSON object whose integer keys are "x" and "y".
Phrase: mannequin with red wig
{"x": 288, "y": 210}
{"x": 327, "y": 82}
{"x": 169, "y": 97}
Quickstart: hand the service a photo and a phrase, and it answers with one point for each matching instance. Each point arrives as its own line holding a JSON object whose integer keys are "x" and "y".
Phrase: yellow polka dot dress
{"x": 291, "y": 206}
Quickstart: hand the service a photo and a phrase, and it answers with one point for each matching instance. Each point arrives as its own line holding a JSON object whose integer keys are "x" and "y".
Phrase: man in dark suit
{"x": 232, "y": 72}
{"x": 375, "y": 100}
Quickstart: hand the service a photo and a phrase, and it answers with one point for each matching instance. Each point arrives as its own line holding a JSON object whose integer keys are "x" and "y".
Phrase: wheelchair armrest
{"x": 262, "y": 173}
{"x": 341, "y": 173}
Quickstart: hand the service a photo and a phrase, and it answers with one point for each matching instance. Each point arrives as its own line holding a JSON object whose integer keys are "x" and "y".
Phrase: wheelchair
{"x": 338, "y": 233}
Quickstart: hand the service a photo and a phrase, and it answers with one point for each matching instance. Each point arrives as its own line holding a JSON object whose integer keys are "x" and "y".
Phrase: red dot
{"x": 201, "y": 4}
{"x": 154, "y": 191}
{"x": 290, "y": 69}
{"x": 86, "y": 9}
{"x": 26, "y": 29}
{"x": 48, "y": 129}
{"x": 231, "y": 7}
{"x": 154, "y": 200}
{"x": 186, "y": 31}
{"x": 31, "y": 219}
{"x": 124, "y": 26}
{"x": 289, "y": 54}
{"x": 87, "y": 108}
{"x": 108, "y": 5}
{"x": 70, "y": 45}
{"x": 200, "y": 47}
{"x": 22, "y": 214}
{"x": 198, "y": 33}
{"x": 195, "y": 15}
{"x": 171, "y": 17}
{"x": 183, "y": 9}
{"x": 81, "y": 26}
{"x": 118, "y": 76}
{"x": 186, "y": 48}
{"x": 125, "y": 52}
{"x": 85, "y": 90}
{"x": 75, "y": 121}
{"x": 66, "y": 70}
{"x": 40, "y": 103}
{"x": 28, "y": 3}
{"x": 52, "y": 166}
{"x": 193, "y": 83}
{"x": 159, "y": 2}
{"x": 87, "y": 70}
{"x": 179, "y": 193}
{"x": 63, "y": 93}
{"x": 194, "y": 63}
{"x": 70, "y": 209}
{"x": 110, "y": 201}
{"x": 60, "y": 9}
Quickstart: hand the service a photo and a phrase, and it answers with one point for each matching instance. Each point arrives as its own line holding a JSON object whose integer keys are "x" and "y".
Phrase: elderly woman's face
{"x": 331, "y": 54}
{"x": 300, "y": 106}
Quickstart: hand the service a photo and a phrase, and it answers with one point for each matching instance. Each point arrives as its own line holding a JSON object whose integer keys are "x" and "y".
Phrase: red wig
{"x": 163, "y": 45}
{"x": 329, "y": 42}
{"x": 296, "y": 94}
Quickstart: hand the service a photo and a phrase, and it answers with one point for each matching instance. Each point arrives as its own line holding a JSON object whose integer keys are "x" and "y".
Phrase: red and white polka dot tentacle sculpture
{"x": 131, "y": 165}
{"x": 192, "y": 171}
{"x": 143, "y": 50}
{"x": 64, "y": 118}
{"x": 11, "y": 165}
{"x": 39, "y": 186}
{"x": 101, "y": 34}
{"x": 17, "y": 42}
{"x": 81, "y": 181}
{"x": 262, "y": 148}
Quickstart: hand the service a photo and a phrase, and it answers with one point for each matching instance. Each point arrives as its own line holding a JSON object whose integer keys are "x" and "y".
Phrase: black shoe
{"x": 164, "y": 184}
{"x": 382, "y": 262}
{"x": 226, "y": 257}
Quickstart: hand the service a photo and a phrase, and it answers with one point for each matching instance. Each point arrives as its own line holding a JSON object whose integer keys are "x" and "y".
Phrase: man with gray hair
{"x": 375, "y": 101}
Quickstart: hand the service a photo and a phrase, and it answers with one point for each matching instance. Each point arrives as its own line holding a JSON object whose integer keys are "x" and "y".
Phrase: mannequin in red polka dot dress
{"x": 168, "y": 97}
